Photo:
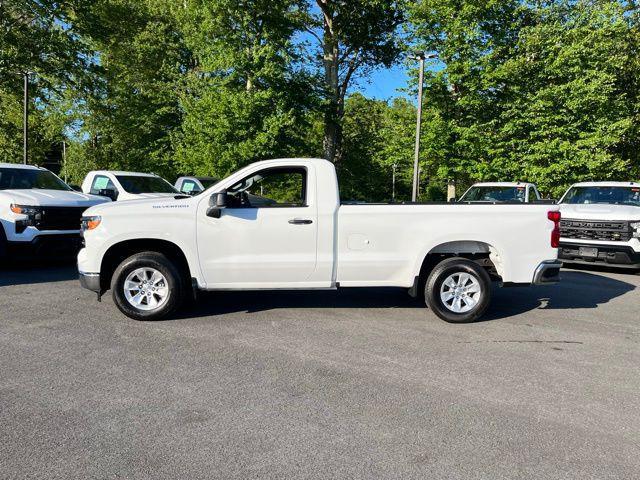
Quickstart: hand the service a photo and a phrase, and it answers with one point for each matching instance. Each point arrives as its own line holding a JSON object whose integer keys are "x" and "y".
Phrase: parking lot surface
{"x": 359, "y": 383}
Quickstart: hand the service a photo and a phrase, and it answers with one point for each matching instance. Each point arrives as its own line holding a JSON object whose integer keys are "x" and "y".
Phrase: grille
{"x": 60, "y": 218}
{"x": 613, "y": 231}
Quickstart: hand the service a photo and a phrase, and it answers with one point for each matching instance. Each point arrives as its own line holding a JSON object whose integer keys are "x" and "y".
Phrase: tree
{"x": 532, "y": 91}
{"x": 127, "y": 118}
{"x": 36, "y": 37}
{"x": 243, "y": 99}
{"x": 354, "y": 36}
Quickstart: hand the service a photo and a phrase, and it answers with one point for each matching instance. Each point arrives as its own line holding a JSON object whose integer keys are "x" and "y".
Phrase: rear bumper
{"x": 53, "y": 246}
{"x": 90, "y": 281}
{"x": 548, "y": 272}
{"x": 617, "y": 255}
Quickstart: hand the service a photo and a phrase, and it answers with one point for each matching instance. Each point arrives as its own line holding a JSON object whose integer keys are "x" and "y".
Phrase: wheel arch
{"x": 119, "y": 251}
{"x": 479, "y": 251}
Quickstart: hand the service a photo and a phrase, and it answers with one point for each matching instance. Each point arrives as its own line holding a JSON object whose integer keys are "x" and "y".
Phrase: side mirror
{"x": 217, "y": 202}
{"x": 75, "y": 188}
{"x": 453, "y": 200}
{"x": 109, "y": 193}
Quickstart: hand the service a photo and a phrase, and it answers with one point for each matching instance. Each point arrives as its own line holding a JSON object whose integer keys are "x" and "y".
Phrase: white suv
{"x": 601, "y": 224}
{"x": 39, "y": 213}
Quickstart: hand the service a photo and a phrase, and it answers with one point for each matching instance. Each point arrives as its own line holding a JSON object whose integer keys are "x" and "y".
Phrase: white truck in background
{"x": 194, "y": 185}
{"x": 496, "y": 192}
{"x": 601, "y": 224}
{"x": 127, "y": 185}
{"x": 279, "y": 224}
{"x": 39, "y": 213}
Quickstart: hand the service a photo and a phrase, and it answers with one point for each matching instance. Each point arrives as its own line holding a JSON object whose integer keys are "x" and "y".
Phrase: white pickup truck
{"x": 491, "y": 192}
{"x": 279, "y": 224}
{"x": 127, "y": 185}
{"x": 601, "y": 224}
{"x": 39, "y": 213}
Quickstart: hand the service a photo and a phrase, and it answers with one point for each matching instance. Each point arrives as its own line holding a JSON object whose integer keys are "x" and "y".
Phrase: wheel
{"x": 3, "y": 243}
{"x": 147, "y": 286}
{"x": 458, "y": 290}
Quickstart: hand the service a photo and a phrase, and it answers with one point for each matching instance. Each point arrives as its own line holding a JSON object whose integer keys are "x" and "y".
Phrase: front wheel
{"x": 147, "y": 286}
{"x": 458, "y": 290}
{"x": 3, "y": 243}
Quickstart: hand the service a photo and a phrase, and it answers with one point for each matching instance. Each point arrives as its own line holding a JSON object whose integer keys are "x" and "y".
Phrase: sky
{"x": 384, "y": 84}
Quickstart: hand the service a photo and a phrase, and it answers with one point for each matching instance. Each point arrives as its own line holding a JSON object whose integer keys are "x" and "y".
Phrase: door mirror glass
{"x": 217, "y": 202}
{"x": 218, "y": 199}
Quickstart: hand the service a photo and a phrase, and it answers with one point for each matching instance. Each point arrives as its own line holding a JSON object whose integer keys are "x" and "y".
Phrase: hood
{"x": 52, "y": 198}
{"x": 153, "y": 203}
{"x": 600, "y": 211}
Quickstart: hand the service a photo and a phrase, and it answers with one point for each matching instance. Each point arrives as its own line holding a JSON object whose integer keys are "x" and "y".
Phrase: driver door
{"x": 266, "y": 236}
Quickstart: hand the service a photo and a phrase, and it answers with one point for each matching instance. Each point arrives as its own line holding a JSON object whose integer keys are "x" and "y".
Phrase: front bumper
{"x": 547, "y": 273}
{"x": 90, "y": 281}
{"x": 617, "y": 255}
{"x": 52, "y": 246}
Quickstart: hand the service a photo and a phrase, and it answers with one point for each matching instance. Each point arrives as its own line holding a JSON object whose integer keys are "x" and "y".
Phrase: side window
{"x": 100, "y": 182}
{"x": 189, "y": 186}
{"x": 272, "y": 187}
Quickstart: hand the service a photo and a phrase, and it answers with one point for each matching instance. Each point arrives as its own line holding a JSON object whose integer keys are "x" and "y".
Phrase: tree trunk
{"x": 332, "y": 141}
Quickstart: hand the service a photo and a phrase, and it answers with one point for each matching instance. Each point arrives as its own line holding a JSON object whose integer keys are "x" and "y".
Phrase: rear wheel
{"x": 147, "y": 286}
{"x": 458, "y": 290}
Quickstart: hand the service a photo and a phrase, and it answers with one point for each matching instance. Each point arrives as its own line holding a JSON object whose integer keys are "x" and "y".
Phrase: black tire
{"x": 3, "y": 245}
{"x": 150, "y": 260}
{"x": 440, "y": 274}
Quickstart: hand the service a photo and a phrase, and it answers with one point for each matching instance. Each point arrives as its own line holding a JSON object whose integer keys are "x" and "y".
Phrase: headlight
{"x": 90, "y": 223}
{"x": 25, "y": 209}
{"x": 636, "y": 227}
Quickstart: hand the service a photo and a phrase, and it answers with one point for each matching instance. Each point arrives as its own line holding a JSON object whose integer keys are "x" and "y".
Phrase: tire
{"x": 158, "y": 288}
{"x": 467, "y": 292}
{"x": 3, "y": 244}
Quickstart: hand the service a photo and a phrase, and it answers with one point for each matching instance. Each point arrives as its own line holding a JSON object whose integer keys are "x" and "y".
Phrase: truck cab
{"x": 39, "y": 213}
{"x": 601, "y": 224}
{"x": 496, "y": 192}
{"x": 117, "y": 185}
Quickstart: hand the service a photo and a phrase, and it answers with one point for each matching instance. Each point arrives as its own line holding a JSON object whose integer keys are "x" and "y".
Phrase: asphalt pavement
{"x": 361, "y": 383}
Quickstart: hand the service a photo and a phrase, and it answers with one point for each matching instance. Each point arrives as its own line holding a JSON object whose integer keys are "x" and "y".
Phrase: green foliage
{"x": 243, "y": 101}
{"x": 536, "y": 92}
{"x": 539, "y": 91}
{"x": 34, "y": 39}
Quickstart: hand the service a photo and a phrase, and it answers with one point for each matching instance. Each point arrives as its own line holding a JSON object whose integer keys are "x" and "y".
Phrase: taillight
{"x": 555, "y": 233}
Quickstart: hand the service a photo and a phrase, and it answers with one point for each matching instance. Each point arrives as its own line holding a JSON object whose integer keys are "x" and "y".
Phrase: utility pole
{"x": 25, "y": 116}
{"x": 421, "y": 56}
{"x": 25, "y": 119}
{"x": 393, "y": 182}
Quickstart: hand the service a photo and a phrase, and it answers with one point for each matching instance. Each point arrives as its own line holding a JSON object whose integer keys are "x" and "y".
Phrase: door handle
{"x": 300, "y": 221}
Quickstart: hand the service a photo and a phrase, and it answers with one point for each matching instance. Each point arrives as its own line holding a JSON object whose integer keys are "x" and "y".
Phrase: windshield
{"x": 27, "y": 179}
{"x": 612, "y": 195}
{"x": 495, "y": 194}
{"x": 139, "y": 184}
{"x": 207, "y": 182}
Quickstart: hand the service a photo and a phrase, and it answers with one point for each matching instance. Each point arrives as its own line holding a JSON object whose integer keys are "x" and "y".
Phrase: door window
{"x": 189, "y": 186}
{"x": 100, "y": 182}
{"x": 273, "y": 187}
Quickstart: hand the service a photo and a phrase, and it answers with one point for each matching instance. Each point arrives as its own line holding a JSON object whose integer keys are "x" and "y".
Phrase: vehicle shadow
{"x": 37, "y": 271}
{"x": 576, "y": 290}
